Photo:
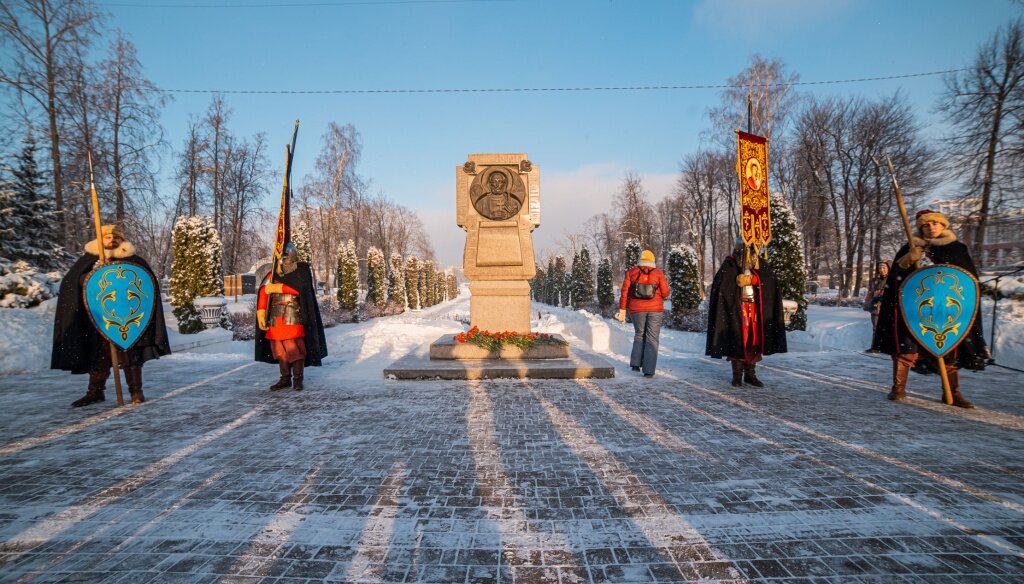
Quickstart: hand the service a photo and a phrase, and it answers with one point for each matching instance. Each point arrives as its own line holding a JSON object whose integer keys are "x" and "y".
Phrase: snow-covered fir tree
{"x": 453, "y": 287}
{"x": 537, "y": 285}
{"x": 550, "y": 289}
{"x": 21, "y": 286}
{"x": 412, "y": 279}
{"x": 441, "y": 287}
{"x": 786, "y": 256}
{"x": 421, "y": 284}
{"x": 396, "y": 283}
{"x": 195, "y": 270}
{"x": 687, "y": 288}
{"x": 633, "y": 251}
{"x": 429, "y": 274}
{"x": 559, "y": 277}
{"x": 300, "y": 238}
{"x": 29, "y": 226}
{"x": 605, "y": 290}
{"x": 570, "y": 281}
{"x": 376, "y": 278}
{"x": 582, "y": 278}
{"x": 347, "y": 279}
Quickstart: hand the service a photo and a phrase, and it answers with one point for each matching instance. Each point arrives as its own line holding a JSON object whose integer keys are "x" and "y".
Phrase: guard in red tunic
{"x": 291, "y": 332}
{"x": 745, "y": 317}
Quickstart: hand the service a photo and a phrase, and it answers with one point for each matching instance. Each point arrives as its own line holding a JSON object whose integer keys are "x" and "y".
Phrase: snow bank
{"x": 28, "y": 337}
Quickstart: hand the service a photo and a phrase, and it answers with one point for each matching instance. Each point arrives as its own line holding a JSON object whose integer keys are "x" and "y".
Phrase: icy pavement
{"x": 815, "y": 478}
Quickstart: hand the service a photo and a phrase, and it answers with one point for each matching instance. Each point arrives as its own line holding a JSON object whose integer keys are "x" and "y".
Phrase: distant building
{"x": 1004, "y": 233}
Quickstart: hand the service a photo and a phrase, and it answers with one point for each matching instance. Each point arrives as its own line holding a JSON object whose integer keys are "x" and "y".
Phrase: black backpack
{"x": 644, "y": 287}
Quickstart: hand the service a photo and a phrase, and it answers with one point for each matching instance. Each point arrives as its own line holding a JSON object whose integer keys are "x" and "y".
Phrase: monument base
{"x": 577, "y": 366}
{"x": 448, "y": 348}
{"x": 500, "y": 305}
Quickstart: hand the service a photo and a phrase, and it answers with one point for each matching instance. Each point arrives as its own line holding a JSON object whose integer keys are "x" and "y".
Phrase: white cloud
{"x": 760, "y": 18}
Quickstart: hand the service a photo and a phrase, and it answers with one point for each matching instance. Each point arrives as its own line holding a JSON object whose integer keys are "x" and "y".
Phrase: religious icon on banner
{"x": 752, "y": 168}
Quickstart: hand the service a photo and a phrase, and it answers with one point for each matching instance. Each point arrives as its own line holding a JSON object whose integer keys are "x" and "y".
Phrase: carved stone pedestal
{"x": 500, "y": 305}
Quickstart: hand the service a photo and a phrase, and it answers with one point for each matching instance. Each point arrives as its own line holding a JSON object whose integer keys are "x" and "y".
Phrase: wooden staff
{"x": 114, "y": 361}
{"x": 947, "y": 394}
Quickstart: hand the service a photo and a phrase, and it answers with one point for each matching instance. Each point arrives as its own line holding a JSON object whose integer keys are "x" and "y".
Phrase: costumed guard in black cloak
{"x": 79, "y": 348}
{"x": 745, "y": 317}
{"x": 290, "y": 332}
{"x": 936, "y": 242}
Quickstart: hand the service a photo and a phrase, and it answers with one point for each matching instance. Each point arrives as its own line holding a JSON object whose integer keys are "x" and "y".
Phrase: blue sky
{"x": 583, "y": 142}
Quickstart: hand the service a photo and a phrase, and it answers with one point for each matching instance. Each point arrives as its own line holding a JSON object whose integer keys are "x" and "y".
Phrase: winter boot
{"x": 900, "y": 371}
{"x": 286, "y": 376}
{"x": 954, "y": 388}
{"x": 133, "y": 376}
{"x": 737, "y": 373}
{"x": 297, "y": 367}
{"x": 750, "y": 377}
{"x": 94, "y": 394}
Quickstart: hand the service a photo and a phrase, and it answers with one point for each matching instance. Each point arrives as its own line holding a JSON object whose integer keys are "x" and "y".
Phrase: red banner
{"x": 752, "y": 168}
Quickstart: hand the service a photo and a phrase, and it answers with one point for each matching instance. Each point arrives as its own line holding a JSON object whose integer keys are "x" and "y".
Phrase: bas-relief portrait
{"x": 497, "y": 194}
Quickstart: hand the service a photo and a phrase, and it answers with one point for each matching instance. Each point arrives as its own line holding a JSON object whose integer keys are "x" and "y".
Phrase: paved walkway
{"x": 816, "y": 478}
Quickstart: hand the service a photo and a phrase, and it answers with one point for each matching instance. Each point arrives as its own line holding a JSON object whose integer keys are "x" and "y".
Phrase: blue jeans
{"x": 647, "y": 328}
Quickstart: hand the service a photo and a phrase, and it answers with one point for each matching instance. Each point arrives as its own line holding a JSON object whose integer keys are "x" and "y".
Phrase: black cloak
{"x": 300, "y": 279}
{"x": 891, "y": 334}
{"x": 725, "y": 331}
{"x": 75, "y": 336}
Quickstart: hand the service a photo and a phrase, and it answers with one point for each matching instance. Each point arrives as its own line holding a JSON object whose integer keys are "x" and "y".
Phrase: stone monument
{"x": 497, "y": 198}
{"x": 498, "y": 205}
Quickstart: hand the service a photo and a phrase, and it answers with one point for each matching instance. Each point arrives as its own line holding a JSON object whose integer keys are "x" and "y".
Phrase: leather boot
{"x": 94, "y": 394}
{"x": 954, "y": 388}
{"x": 133, "y": 376}
{"x": 297, "y": 367}
{"x": 737, "y": 373}
{"x": 900, "y": 371}
{"x": 750, "y": 377}
{"x": 286, "y": 376}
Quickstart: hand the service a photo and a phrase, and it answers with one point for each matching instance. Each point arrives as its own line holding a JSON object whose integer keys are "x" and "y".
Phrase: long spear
{"x": 284, "y": 219}
{"x": 947, "y": 394}
{"x": 103, "y": 260}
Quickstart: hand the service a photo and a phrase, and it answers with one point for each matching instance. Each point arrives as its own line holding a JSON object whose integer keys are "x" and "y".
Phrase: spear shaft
{"x": 114, "y": 361}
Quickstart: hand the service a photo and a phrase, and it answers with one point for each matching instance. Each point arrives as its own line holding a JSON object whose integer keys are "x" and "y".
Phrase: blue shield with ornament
{"x": 939, "y": 304}
{"x": 119, "y": 297}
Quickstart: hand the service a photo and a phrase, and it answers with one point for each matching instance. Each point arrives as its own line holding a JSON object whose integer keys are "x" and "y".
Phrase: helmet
{"x": 289, "y": 258}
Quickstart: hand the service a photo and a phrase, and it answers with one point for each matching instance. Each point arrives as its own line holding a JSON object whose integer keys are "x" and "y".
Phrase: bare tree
{"x": 43, "y": 38}
{"x": 130, "y": 110}
{"x": 634, "y": 209}
{"x": 983, "y": 105}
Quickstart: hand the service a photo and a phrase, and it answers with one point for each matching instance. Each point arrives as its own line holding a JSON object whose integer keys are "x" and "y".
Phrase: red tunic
{"x": 279, "y": 332}
{"x": 751, "y": 324}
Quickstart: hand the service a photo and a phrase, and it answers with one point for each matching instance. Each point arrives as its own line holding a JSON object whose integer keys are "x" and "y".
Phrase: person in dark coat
{"x": 79, "y": 348}
{"x": 745, "y": 316}
{"x": 936, "y": 242}
{"x": 643, "y": 295}
{"x": 290, "y": 331}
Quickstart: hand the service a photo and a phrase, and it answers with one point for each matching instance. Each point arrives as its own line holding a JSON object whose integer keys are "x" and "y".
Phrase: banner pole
{"x": 114, "y": 361}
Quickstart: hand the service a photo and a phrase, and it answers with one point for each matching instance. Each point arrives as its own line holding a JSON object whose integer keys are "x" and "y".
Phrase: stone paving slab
{"x": 815, "y": 478}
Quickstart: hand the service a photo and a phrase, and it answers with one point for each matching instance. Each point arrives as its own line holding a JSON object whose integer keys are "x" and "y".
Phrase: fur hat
{"x": 929, "y": 216}
{"x": 116, "y": 230}
{"x": 647, "y": 259}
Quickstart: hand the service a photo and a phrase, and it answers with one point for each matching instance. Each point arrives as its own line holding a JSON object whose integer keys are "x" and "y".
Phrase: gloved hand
{"x": 621, "y": 316}
{"x": 911, "y": 257}
{"x": 744, "y": 280}
{"x": 273, "y": 288}
{"x": 261, "y": 319}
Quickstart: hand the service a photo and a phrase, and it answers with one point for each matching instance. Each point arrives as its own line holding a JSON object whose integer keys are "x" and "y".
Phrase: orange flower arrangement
{"x": 493, "y": 341}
